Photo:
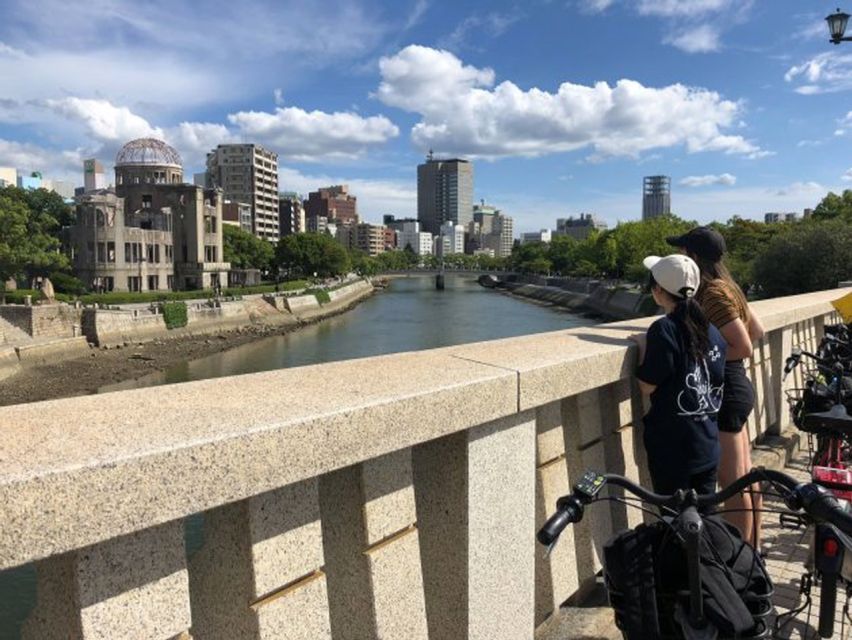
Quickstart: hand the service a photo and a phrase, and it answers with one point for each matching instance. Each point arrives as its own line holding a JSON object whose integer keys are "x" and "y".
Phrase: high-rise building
{"x": 770, "y": 218}
{"x": 291, "y": 214}
{"x": 444, "y": 193}
{"x": 8, "y": 176}
{"x": 656, "y": 196}
{"x": 248, "y": 173}
{"x": 94, "y": 176}
{"x": 579, "y": 228}
{"x": 450, "y": 240}
{"x": 490, "y": 229}
{"x": 410, "y": 235}
{"x": 317, "y": 224}
{"x": 334, "y": 203}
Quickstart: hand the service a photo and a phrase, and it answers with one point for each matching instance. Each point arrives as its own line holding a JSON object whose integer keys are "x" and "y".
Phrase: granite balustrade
{"x": 388, "y": 497}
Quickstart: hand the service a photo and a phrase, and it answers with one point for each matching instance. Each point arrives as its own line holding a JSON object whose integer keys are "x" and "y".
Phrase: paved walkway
{"x": 786, "y": 555}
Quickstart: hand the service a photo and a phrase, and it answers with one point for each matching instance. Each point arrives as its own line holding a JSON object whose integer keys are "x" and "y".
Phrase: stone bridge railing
{"x": 389, "y": 497}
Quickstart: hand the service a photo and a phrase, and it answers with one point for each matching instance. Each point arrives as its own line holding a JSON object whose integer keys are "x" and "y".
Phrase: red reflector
{"x": 830, "y": 547}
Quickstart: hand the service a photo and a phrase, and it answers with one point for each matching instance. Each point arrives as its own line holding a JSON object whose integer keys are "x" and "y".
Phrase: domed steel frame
{"x": 148, "y": 151}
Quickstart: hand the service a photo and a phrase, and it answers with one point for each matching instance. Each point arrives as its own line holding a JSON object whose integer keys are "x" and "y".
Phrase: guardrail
{"x": 391, "y": 497}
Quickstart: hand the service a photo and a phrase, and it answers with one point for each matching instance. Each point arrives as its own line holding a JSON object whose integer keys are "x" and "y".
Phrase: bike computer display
{"x": 589, "y": 485}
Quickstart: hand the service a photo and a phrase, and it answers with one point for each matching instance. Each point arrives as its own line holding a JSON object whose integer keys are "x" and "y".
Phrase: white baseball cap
{"x": 678, "y": 274}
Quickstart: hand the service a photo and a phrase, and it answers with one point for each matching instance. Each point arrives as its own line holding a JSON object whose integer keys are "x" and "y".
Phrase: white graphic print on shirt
{"x": 700, "y": 397}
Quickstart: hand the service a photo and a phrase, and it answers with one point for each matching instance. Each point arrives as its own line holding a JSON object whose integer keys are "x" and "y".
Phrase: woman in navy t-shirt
{"x": 682, "y": 368}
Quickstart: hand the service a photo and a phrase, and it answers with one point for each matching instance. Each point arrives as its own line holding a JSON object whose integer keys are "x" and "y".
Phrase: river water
{"x": 408, "y": 316}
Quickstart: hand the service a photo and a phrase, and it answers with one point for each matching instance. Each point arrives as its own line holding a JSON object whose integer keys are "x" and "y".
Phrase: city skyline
{"x": 552, "y": 122}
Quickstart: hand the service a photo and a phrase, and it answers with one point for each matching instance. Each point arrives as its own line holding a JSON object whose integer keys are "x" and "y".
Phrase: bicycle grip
{"x": 552, "y": 529}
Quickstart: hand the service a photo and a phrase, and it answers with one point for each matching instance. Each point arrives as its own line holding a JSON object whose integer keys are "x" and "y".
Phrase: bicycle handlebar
{"x": 816, "y": 501}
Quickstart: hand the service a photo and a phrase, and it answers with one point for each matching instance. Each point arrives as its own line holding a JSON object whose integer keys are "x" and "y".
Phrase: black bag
{"x": 646, "y": 575}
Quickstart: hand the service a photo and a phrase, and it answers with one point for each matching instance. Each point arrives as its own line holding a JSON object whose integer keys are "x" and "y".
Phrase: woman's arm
{"x": 641, "y": 341}
{"x": 755, "y": 326}
{"x": 738, "y": 339}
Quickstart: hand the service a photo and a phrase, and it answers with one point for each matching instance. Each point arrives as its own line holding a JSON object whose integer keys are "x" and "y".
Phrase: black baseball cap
{"x": 703, "y": 242}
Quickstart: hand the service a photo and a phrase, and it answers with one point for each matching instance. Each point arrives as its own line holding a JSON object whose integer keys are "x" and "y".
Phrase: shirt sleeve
{"x": 659, "y": 363}
{"x": 719, "y": 306}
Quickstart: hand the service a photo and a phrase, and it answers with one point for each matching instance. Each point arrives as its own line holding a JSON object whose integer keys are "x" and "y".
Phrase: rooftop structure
{"x": 148, "y": 151}
{"x": 656, "y": 196}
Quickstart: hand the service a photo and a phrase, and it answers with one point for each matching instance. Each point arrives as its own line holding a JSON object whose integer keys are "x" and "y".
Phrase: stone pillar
{"x": 372, "y": 550}
{"x": 780, "y": 347}
{"x": 131, "y": 587}
{"x": 476, "y": 507}
{"x": 259, "y": 574}
{"x": 556, "y": 572}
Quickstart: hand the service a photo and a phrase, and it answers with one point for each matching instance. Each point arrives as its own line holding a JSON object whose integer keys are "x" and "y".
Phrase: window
{"x": 134, "y": 283}
{"x": 127, "y": 256}
{"x": 149, "y": 252}
{"x": 170, "y": 254}
{"x": 146, "y": 202}
{"x": 101, "y": 252}
{"x": 170, "y": 283}
{"x": 157, "y": 253}
{"x": 111, "y": 252}
{"x": 109, "y": 283}
{"x": 153, "y": 283}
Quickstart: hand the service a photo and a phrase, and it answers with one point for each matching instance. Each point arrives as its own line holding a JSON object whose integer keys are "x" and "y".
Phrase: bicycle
{"x": 682, "y": 603}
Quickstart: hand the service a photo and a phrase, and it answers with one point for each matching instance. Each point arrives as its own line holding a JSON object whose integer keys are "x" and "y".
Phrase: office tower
{"x": 334, "y": 203}
{"x": 656, "y": 196}
{"x": 291, "y": 214}
{"x": 444, "y": 193}
{"x": 93, "y": 175}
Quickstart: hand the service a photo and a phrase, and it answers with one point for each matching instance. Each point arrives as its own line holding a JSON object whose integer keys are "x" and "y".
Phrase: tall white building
{"x": 248, "y": 173}
{"x": 450, "y": 240}
{"x": 94, "y": 177}
{"x": 8, "y": 176}
{"x": 411, "y": 235}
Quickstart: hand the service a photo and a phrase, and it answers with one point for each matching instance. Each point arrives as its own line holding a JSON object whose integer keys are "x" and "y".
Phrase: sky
{"x": 563, "y": 105}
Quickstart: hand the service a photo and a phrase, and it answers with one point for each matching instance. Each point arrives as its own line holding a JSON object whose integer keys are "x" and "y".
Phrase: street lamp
{"x": 837, "y": 26}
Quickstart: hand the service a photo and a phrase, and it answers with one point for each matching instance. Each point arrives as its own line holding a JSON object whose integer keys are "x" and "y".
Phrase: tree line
{"x": 768, "y": 259}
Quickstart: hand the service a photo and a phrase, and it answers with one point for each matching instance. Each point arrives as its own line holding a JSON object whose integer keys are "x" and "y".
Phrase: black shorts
{"x": 737, "y": 398}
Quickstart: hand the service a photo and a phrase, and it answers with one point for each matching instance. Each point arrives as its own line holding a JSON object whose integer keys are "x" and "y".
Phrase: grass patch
{"x": 174, "y": 314}
{"x": 320, "y": 294}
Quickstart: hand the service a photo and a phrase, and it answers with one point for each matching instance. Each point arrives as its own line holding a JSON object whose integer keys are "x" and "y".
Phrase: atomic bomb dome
{"x": 148, "y": 152}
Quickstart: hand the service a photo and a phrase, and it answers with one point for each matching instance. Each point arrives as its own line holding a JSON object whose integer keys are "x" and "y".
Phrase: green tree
{"x": 563, "y": 254}
{"x": 817, "y": 256}
{"x": 531, "y": 257}
{"x": 29, "y": 244}
{"x": 49, "y": 204}
{"x": 746, "y": 239}
{"x": 364, "y": 264}
{"x": 636, "y": 240}
{"x": 310, "y": 253}
{"x": 246, "y": 251}
{"x": 835, "y": 206}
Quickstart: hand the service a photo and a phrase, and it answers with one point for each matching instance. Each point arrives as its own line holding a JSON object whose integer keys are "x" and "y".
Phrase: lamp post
{"x": 837, "y": 26}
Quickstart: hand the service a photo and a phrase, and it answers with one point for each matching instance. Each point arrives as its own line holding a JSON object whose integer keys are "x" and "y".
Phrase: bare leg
{"x": 731, "y": 467}
{"x": 756, "y": 496}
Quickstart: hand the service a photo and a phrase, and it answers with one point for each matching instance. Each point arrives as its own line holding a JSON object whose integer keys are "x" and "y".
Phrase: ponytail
{"x": 693, "y": 324}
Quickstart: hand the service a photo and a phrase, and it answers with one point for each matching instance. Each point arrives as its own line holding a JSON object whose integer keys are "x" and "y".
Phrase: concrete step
{"x": 12, "y": 335}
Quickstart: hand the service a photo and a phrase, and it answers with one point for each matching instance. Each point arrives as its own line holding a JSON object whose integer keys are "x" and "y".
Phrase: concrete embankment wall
{"x": 43, "y": 321}
{"x": 107, "y": 327}
{"x": 611, "y": 303}
{"x": 9, "y": 363}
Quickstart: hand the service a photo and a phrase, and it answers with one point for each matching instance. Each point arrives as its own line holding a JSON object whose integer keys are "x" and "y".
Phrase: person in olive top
{"x": 681, "y": 366}
{"x": 726, "y": 307}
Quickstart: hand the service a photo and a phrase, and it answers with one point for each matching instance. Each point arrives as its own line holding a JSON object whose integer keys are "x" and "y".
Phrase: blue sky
{"x": 564, "y": 105}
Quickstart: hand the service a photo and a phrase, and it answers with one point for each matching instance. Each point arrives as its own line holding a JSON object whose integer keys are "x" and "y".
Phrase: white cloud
{"x": 594, "y": 6}
{"x": 847, "y": 176}
{"x": 725, "y": 179}
{"x": 801, "y": 188}
{"x": 682, "y": 8}
{"x": 701, "y": 39}
{"x": 29, "y": 157}
{"x": 492, "y": 24}
{"x": 375, "y": 197}
{"x": 292, "y": 132}
{"x": 104, "y": 121}
{"x": 313, "y": 135}
{"x": 461, "y": 113}
{"x": 417, "y": 12}
{"x": 825, "y": 73}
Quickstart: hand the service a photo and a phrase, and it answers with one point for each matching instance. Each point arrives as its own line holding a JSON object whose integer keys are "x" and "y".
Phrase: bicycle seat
{"x": 835, "y": 419}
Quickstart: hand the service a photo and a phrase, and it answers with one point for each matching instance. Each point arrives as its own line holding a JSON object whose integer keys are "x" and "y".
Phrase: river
{"x": 409, "y": 315}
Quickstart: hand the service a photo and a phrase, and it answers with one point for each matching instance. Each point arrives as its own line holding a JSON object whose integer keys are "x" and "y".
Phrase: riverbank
{"x": 129, "y": 360}
{"x": 606, "y": 303}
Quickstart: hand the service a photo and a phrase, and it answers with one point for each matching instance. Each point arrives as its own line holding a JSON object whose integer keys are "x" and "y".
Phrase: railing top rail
{"x": 80, "y": 470}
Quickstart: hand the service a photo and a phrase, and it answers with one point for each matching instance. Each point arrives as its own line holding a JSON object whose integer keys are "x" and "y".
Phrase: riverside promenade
{"x": 387, "y": 497}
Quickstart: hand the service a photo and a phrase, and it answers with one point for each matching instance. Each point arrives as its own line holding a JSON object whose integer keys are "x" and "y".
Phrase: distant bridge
{"x": 449, "y": 272}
